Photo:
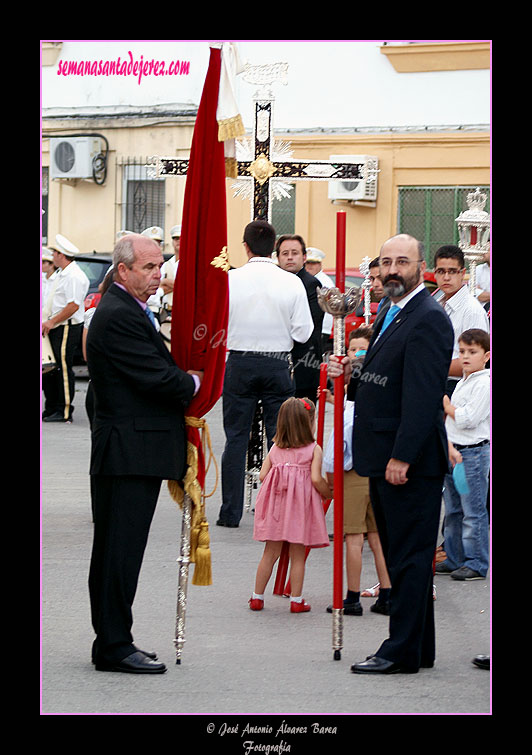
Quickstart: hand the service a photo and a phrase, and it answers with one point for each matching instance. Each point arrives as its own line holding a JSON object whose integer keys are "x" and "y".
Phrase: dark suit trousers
{"x": 407, "y": 519}
{"x": 248, "y": 378}
{"x": 123, "y": 511}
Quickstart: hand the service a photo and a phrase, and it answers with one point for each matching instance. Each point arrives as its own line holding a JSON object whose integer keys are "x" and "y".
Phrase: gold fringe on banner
{"x": 231, "y": 128}
{"x": 200, "y": 553}
{"x": 231, "y": 167}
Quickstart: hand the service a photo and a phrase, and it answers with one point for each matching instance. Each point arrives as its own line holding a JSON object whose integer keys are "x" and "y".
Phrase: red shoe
{"x": 256, "y": 604}
{"x": 299, "y": 607}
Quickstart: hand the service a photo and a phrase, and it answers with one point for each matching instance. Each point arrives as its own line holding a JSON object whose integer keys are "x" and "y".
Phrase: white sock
{"x": 297, "y": 599}
{"x": 258, "y": 597}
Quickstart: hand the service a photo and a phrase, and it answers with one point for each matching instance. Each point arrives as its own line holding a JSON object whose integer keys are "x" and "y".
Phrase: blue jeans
{"x": 466, "y": 524}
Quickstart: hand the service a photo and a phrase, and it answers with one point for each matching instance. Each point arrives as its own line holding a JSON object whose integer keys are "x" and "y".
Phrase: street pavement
{"x": 238, "y": 667}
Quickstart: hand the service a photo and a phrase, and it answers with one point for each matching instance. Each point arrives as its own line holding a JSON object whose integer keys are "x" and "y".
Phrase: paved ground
{"x": 235, "y": 662}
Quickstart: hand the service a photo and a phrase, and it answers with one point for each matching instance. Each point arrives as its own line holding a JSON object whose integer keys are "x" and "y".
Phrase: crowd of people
{"x": 416, "y": 425}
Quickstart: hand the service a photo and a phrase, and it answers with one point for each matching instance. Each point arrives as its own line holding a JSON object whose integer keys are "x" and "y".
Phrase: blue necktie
{"x": 390, "y": 314}
{"x": 151, "y": 317}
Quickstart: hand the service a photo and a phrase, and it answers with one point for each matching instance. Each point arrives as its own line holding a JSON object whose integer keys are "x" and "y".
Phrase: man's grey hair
{"x": 124, "y": 251}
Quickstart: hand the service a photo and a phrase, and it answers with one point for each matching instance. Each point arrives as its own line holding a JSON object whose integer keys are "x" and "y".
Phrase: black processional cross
{"x": 262, "y": 168}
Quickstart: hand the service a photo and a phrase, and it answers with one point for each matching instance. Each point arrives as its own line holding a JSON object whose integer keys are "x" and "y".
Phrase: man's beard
{"x": 394, "y": 286}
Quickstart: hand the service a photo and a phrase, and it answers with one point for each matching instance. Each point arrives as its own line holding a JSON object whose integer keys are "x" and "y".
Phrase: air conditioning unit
{"x": 355, "y": 189}
{"x": 71, "y": 157}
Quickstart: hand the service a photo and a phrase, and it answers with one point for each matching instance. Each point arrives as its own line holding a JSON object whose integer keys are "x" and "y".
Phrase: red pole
{"x": 340, "y": 250}
{"x": 339, "y": 349}
{"x": 282, "y": 571}
{"x": 338, "y": 491}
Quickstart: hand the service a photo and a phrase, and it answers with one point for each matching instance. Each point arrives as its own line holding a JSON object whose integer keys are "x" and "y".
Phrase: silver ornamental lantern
{"x": 474, "y": 233}
{"x": 339, "y": 305}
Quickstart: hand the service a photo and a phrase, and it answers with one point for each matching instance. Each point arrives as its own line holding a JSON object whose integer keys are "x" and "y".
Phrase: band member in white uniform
{"x": 63, "y": 314}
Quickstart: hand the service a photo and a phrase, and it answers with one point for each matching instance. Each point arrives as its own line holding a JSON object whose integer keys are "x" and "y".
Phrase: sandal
{"x": 371, "y": 592}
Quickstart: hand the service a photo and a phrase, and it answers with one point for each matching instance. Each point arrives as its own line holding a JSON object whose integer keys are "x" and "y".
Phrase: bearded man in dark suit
{"x": 138, "y": 439}
{"x": 399, "y": 442}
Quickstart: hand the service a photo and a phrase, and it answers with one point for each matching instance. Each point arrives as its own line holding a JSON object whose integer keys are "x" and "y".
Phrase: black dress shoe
{"x": 56, "y": 417}
{"x": 221, "y": 523}
{"x": 376, "y": 665}
{"x": 350, "y": 609}
{"x": 147, "y": 653}
{"x": 136, "y": 663}
{"x": 482, "y": 661}
{"x": 382, "y": 607}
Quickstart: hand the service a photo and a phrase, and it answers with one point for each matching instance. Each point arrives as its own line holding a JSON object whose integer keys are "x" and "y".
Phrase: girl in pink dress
{"x": 289, "y": 506}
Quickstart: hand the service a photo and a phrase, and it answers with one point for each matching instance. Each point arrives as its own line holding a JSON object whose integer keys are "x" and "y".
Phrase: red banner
{"x": 201, "y": 297}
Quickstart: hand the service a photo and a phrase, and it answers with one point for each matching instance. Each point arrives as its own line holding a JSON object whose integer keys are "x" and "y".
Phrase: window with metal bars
{"x": 284, "y": 213}
{"x": 429, "y": 213}
{"x": 143, "y": 198}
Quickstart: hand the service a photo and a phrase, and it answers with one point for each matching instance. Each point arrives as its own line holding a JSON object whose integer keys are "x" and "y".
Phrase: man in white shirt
{"x": 63, "y": 315}
{"x": 268, "y": 312}
{"x": 464, "y": 310}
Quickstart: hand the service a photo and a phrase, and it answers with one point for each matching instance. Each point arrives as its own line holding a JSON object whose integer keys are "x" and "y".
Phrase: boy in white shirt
{"x": 466, "y": 524}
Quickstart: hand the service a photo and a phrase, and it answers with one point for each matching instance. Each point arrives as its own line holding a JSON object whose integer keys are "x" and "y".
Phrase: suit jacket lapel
{"x": 397, "y": 322}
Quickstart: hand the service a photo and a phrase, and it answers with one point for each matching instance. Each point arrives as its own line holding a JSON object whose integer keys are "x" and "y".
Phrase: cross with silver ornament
{"x": 265, "y": 168}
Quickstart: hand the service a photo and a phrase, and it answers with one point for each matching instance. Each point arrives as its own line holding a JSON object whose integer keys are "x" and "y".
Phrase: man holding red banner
{"x": 138, "y": 440}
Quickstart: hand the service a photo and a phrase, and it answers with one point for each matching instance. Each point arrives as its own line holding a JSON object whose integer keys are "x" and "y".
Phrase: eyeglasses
{"x": 401, "y": 262}
{"x": 448, "y": 271}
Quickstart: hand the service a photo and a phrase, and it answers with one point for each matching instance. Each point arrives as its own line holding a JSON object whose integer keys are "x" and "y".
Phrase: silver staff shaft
{"x": 184, "y": 562}
{"x": 367, "y": 305}
{"x": 472, "y": 277}
{"x": 337, "y": 632}
{"x": 339, "y": 335}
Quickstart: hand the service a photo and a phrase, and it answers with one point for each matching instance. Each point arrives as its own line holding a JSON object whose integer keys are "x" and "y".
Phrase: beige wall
{"x": 90, "y": 215}
{"x": 448, "y": 159}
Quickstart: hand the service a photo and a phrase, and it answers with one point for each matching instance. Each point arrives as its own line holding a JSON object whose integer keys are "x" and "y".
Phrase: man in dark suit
{"x": 138, "y": 439}
{"x": 399, "y": 442}
{"x": 306, "y": 357}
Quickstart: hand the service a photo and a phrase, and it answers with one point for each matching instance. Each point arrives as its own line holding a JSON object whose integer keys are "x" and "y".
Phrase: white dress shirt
{"x": 465, "y": 312}
{"x": 168, "y": 270}
{"x": 268, "y": 308}
{"x": 72, "y": 286}
{"x": 483, "y": 278}
{"x": 471, "y": 397}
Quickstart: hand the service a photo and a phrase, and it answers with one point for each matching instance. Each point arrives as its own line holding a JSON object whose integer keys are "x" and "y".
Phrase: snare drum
{"x": 48, "y": 359}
